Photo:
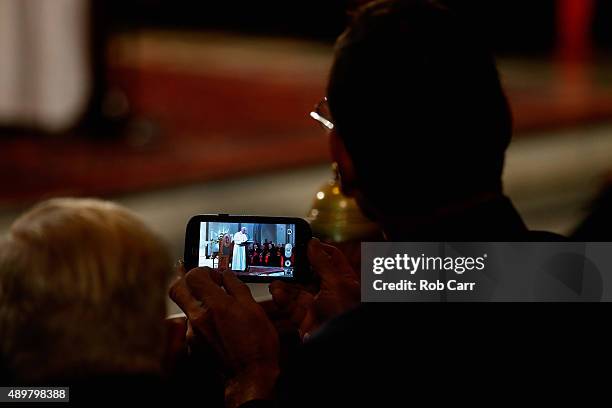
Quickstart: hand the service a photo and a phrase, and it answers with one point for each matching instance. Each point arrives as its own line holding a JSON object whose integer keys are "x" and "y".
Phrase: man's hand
{"x": 339, "y": 290}
{"x": 222, "y": 310}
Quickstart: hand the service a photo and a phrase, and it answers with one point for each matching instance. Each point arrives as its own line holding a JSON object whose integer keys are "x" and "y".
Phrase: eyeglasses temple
{"x": 322, "y": 120}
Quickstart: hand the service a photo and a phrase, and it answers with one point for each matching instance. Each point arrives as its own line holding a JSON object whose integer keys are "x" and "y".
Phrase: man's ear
{"x": 346, "y": 168}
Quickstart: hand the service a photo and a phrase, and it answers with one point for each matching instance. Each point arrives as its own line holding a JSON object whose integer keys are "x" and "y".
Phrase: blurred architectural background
{"x": 201, "y": 107}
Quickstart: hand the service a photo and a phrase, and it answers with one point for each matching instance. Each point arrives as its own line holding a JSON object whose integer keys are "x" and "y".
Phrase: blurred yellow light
{"x": 336, "y": 190}
{"x": 320, "y": 195}
{"x": 343, "y": 204}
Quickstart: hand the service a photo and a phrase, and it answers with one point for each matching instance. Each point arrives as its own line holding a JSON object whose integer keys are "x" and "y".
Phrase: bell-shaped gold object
{"x": 336, "y": 218}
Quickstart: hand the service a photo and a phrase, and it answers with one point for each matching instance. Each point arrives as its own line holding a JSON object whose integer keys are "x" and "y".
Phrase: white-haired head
{"x": 82, "y": 291}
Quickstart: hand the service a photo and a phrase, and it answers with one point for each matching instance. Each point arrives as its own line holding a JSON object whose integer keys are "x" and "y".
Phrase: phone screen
{"x": 248, "y": 249}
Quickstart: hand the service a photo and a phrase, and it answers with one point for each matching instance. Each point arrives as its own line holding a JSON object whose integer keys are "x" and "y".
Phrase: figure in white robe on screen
{"x": 239, "y": 258}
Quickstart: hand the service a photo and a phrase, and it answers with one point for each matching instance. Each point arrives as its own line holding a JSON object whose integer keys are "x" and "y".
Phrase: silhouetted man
{"x": 417, "y": 79}
{"x": 419, "y": 128}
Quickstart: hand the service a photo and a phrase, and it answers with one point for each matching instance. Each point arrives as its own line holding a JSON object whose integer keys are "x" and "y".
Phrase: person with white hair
{"x": 82, "y": 294}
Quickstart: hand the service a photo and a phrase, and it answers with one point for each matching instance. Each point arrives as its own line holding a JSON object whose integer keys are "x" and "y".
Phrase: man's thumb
{"x": 319, "y": 259}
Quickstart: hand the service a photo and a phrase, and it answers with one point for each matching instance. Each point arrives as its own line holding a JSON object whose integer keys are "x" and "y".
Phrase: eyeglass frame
{"x": 326, "y": 123}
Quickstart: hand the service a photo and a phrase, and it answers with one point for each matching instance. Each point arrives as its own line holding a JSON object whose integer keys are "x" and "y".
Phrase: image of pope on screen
{"x": 239, "y": 257}
{"x": 248, "y": 248}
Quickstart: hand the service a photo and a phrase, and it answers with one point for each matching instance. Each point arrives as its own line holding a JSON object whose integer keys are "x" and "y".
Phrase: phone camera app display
{"x": 248, "y": 248}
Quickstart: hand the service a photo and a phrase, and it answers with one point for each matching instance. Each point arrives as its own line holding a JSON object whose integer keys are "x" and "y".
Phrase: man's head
{"x": 243, "y": 230}
{"x": 420, "y": 116}
{"x": 82, "y": 292}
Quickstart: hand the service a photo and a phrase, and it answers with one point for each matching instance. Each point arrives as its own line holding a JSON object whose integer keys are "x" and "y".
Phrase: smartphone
{"x": 255, "y": 248}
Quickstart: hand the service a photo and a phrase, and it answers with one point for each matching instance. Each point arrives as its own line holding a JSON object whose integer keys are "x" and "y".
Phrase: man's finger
{"x": 327, "y": 263}
{"x": 202, "y": 324}
{"x": 300, "y": 307}
{"x": 236, "y": 288}
{"x": 216, "y": 276}
{"x": 283, "y": 293}
{"x": 316, "y": 253}
{"x": 181, "y": 295}
{"x": 203, "y": 287}
{"x": 339, "y": 260}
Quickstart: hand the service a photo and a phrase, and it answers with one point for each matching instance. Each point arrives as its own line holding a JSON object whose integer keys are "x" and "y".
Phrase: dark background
{"x": 513, "y": 26}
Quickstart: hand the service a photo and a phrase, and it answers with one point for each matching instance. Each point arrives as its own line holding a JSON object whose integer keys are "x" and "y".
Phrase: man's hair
{"x": 417, "y": 100}
{"x": 82, "y": 291}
